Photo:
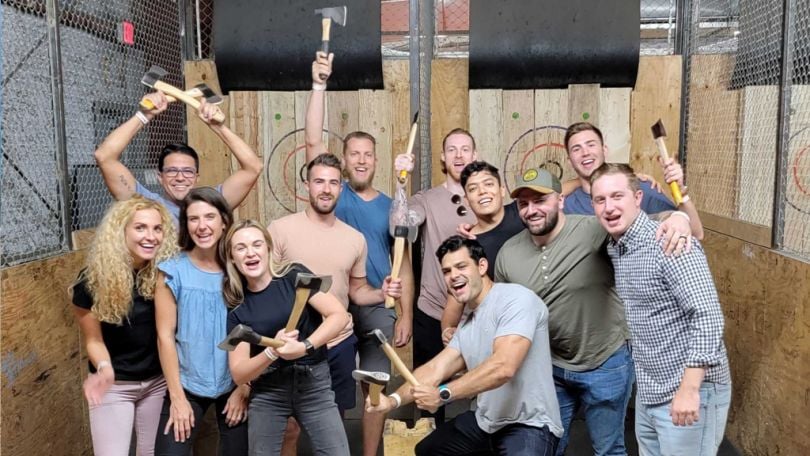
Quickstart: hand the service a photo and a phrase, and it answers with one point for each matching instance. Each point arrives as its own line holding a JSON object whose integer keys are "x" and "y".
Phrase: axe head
{"x": 379, "y": 335}
{"x": 208, "y": 94}
{"x": 409, "y": 232}
{"x": 241, "y": 333}
{"x": 336, "y": 13}
{"x": 313, "y": 282}
{"x": 658, "y": 130}
{"x": 377, "y": 378}
{"x": 152, "y": 76}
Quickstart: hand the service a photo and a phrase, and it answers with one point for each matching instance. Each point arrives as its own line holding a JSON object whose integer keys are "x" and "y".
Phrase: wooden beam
{"x": 449, "y": 105}
{"x": 486, "y": 124}
{"x": 755, "y": 234}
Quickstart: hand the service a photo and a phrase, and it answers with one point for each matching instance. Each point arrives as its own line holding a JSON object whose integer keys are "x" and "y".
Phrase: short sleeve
{"x": 170, "y": 269}
{"x": 278, "y": 242}
{"x": 359, "y": 266}
{"x": 145, "y": 192}
{"x": 416, "y": 203}
{"x": 82, "y": 297}
{"x": 654, "y": 202}
{"x": 233, "y": 320}
{"x": 519, "y": 316}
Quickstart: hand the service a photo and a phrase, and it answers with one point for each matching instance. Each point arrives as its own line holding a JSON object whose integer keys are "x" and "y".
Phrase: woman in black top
{"x": 292, "y": 380}
{"x": 113, "y": 304}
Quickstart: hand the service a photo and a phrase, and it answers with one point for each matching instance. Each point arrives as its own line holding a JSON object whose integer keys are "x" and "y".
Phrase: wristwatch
{"x": 444, "y": 394}
{"x": 309, "y": 346}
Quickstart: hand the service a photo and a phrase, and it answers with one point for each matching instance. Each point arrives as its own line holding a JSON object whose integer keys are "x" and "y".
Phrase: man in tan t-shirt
{"x": 327, "y": 246}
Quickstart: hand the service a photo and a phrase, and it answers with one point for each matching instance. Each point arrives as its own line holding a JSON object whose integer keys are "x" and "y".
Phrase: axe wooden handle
{"x": 374, "y": 393}
{"x": 270, "y": 342}
{"x": 147, "y": 103}
{"x": 399, "y": 365}
{"x": 173, "y": 91}
{"x": 301, "y": 297}
{"x": 326, "y": 27}
{"x": 411, "y": 140}
{"x": 673, "y": 186}
{"x": 396, "y": 265}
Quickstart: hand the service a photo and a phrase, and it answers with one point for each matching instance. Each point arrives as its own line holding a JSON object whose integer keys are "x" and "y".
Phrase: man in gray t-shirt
{"x": 504, "y": 348}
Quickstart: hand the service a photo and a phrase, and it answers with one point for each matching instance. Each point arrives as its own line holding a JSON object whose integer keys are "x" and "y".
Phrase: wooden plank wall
{"x": 44, "y": 411}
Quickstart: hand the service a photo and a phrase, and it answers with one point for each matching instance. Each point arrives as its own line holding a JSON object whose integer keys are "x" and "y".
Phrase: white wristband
{"x": 142, "y": 117}
{"x": 683, "y": 214}
{"x": 684, "y": 199}
{"x": 396, "y": 399}
{"x": 270, "y": 355}
{"x": 318, "y": 86}
{"x": 102, "y": 364}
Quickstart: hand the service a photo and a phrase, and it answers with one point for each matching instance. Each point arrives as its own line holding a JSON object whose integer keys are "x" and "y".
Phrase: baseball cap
{"x": 539, "y": 180}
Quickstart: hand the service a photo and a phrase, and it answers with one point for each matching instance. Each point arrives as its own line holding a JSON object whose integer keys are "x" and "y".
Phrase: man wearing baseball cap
{"x": 563, "y": 259}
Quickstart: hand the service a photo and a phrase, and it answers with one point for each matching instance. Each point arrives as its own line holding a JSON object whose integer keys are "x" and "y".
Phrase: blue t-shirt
{"x": 371, "y": 219}
{"x": 653, "y": 202}
{"x": 201, "y": 319}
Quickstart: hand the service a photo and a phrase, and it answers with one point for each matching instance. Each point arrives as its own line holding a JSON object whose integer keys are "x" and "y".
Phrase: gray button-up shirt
{"x": 672, "y": 310}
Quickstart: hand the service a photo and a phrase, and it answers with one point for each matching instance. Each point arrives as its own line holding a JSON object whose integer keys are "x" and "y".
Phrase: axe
{"x": 200, "y": 90}
{"x": 304, "y": 283}
{"x": 337, "y": 14}
{"x": 244, "y": 333}
{"x": 411, "y": 139}
{"x": 395, "y": 359}
{"x": 376, "y": 383}
{"x": 153, "y": 77}
{"x": 400, "y": 234}
{"x": 659, "y": 134}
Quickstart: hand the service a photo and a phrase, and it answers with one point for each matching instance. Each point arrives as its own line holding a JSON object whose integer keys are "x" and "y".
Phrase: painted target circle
{"x": 798, "y": 178}
{"x": 539, "y": 147}
{"x": 284, "y": 169}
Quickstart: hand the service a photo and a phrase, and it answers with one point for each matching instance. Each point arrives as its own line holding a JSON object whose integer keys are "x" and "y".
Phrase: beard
{"x": 315, "y": 203}
{"x": 552, "y": 219}
{"x": 360, "y": 185}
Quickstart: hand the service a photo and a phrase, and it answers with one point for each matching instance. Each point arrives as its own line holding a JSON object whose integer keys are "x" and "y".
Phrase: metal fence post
{"x": 55, "y": 55}
{"x": 426, "y": 27}
{"x": 783, "y": 126}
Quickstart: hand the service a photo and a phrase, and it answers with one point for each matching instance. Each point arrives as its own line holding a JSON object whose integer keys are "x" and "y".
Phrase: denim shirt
{"x": 201, "y": 321}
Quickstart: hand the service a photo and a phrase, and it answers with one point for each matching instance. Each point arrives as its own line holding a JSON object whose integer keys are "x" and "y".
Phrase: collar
{"x": 634, "y": 235}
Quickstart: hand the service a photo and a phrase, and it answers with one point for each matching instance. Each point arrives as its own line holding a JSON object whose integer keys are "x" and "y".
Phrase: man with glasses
{"x": 178, "y": 164}
{"x": 442, "y": 208}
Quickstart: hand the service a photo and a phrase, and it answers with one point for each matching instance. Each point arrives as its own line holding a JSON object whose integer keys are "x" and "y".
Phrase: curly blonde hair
{"x": 109, "y": 268}
{"x": 233, "y": 281}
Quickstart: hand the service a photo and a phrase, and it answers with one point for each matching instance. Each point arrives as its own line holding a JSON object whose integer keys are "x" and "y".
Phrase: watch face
{"x": 444, "y": 394}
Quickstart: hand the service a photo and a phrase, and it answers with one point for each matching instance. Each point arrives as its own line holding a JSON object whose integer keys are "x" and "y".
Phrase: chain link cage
{"x": 106, "y": 47}
{"x": 734, "y": 84}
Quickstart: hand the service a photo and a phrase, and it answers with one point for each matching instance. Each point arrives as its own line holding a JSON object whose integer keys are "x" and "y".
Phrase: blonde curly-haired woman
{"x": 114, "y": 305}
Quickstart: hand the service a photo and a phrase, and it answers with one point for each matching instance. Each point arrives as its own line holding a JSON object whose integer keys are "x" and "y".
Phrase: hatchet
{"x": 395, "y": 359}
{"x": 304, "y": 283}
{"x": 411, "y": 140}
{"x": 336, "y": 14}
{"x": 152, "y": 79}
{"x": 200, "y": 90}
{"x": 401, "y": 233}
{"x": 244, "y": 333}
{"x": 659, "y": 134}
{"x": 376, "y": 382}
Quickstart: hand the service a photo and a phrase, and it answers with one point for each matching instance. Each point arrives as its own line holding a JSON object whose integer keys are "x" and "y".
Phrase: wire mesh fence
{"x": 106, "y": 46}
{"x": 734, "y": 72}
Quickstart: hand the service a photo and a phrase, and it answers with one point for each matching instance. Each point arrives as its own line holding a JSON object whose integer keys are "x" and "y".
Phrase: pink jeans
{"x": 127, "y": 403}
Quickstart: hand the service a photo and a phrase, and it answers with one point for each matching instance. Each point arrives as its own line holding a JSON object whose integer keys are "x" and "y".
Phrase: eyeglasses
{"x": 188, "y": 173}
{"x": 460, "y": 210}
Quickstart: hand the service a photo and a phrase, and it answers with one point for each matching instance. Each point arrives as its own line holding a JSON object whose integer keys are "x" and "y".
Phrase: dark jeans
{"x": 427, "y": 343}
{"x": 305, "y": 393}
{"x": 232, "y": 440}
{"x": 462, "y": 436}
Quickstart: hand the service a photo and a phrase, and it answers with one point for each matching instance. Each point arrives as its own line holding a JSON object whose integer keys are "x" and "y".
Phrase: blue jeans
{"x": 603, "y": 393}
{"x": 658, "y": 436}
{"x": 462, "y": 436}
{"x": 303, "y": 392}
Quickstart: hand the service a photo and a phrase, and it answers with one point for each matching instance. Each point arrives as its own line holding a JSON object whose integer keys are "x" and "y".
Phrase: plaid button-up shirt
{"x": 672, "y": 310}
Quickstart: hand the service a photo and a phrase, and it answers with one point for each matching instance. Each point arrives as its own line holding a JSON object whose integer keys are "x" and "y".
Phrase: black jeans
{"x": 427, "y": 343}
{"x": 462, "y": 436}
{"x": 233, "y": 441}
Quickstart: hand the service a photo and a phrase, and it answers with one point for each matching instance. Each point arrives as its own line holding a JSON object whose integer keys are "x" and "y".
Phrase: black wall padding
{"x": 270, "y": 45}
{"x": 535, "y": 44}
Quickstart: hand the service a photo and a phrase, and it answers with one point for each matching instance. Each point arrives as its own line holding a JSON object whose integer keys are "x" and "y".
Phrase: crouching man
{"x": 675, "y": 321}
{"x": 504, "y": 347}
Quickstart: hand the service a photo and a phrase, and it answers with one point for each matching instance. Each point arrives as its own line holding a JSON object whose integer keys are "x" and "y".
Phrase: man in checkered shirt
{"x": 675, "y": 321}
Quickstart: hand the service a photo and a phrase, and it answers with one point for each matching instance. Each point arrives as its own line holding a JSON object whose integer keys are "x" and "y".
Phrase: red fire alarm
{"x": 126, "y": 33}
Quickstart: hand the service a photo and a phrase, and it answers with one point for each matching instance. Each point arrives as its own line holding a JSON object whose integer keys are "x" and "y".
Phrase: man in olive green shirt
{"x": 563, "y": 259}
